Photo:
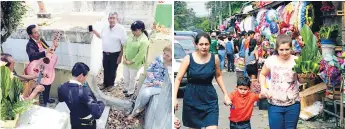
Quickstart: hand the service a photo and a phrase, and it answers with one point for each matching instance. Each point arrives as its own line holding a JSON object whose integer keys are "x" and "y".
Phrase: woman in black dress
{"x": 200, "y": 102}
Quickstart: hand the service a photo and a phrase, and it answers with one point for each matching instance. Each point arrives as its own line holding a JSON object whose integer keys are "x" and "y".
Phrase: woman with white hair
{"x": 156, "y": 73}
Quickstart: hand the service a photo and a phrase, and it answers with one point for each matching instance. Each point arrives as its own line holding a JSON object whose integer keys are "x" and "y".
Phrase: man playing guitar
{"x": 36, "y": 49}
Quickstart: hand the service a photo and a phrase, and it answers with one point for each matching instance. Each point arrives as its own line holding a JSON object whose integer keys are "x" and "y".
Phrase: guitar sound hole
{"x": 46, "y": 60}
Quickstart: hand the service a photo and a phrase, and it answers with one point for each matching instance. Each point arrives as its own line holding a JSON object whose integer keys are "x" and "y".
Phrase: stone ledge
{"x": 71, "y": 36}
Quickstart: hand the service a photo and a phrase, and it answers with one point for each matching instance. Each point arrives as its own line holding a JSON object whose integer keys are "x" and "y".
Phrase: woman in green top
{"x": 135, "y": 51}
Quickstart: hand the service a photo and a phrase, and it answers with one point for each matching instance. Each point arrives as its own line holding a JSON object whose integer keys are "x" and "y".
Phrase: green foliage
{"x": 180, "y": 15}
{"x": 12, "y": 13}
{"x": 185, "y": 19}
{"x": 11, "y": 88}
{"x": 329, "y": 32}
{"x": 224, "y": 9}
{"x": 203, "y": 24}
{"x": 308, "y": 61}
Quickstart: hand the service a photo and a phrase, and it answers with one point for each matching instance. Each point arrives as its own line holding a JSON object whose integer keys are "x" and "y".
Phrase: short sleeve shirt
{"x": 283, "y": 84}
{"x": 113, "y": 38}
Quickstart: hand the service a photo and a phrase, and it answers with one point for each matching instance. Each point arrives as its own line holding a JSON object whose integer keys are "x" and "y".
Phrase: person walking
{"x": 200, "y": 102}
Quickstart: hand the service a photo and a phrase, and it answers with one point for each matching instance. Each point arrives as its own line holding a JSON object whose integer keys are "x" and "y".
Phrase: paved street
{"x": 259, "y": 119}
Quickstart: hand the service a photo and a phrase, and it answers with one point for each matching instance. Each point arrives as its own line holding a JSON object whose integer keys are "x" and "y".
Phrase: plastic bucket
{"x": 328, "y": 49}
{"x": 327, "y": 41}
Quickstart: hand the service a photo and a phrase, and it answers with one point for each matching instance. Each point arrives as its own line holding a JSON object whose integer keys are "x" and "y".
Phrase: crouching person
{"x": 83, "y": 105}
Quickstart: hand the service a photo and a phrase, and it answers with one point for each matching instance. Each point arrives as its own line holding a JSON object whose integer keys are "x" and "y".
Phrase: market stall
{"x": 315, "y": 28}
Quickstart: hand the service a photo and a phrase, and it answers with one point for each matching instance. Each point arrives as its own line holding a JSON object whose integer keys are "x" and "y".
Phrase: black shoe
{"x": 103, "y": 87}
{"x": 50, "y": 100}
{"x": 128, "y": 95}
{"x": 125, "y": 92}
{"x": 110, "y": 88}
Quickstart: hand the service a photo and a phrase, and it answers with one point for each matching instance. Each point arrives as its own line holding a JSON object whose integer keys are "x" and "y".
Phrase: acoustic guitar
{"x": 47, "y": 63}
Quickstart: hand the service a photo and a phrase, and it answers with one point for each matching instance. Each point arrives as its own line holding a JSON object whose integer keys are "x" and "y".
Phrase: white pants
{"x": 129, "y": 77}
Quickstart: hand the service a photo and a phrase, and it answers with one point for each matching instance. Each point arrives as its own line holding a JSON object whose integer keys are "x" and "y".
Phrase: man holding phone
{"x": 113, "y": 38}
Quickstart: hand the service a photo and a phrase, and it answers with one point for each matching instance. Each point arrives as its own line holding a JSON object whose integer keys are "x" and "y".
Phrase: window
{"x": 179, "y": 53}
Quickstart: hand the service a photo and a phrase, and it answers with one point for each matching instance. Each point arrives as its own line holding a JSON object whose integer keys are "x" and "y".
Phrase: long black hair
{"x": 139, "y": 25}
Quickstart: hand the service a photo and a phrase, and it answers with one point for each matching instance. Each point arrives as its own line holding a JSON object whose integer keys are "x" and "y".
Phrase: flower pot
{"x": 10, "y": 123}
{"x": 306, "y": 77}
{"x": 327, "y": 41}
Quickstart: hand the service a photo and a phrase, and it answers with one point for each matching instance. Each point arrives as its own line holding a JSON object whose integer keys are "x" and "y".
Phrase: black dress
{"x": 200, "y": 102}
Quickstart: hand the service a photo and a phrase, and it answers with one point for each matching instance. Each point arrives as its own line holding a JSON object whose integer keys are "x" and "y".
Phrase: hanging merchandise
{"x": 249, "y": 23}
{"x": 265, "y": 44}
{"x": 237, "y": 26}
{"x": 271, "y": 16}
{"x": 267, "y": 33}
{"x": 280, "y": 10}
{"x": 257, "y": 29}
{"x": 288, "y": 12}
{"x": 274, "y": 27}
{"x": 262, "y": 4}
{"x": 273, "y": 40}
{"x": 241, "y": 25}
{"x": 294, "y": 18}
{"x": 302, "y": 14}
{"x": 309, "y": 15}
{"x": 260, "y": 14}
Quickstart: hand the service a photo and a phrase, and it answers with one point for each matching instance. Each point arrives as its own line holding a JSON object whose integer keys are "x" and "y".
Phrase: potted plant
{"x": 307, "y": 64}
{"x": 328, "y": 34}
{"x": 11, "y": 105}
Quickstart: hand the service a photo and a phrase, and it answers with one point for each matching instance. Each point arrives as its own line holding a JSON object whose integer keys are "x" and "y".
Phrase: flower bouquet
{"x": 327, "y": 7}
{"x": 307, "y": 64}
{"x": 330, "y": 69}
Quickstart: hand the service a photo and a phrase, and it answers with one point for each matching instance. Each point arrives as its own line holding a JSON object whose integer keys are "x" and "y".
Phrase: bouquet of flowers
{"x": 327, "y": 6}
{"x": 330, "y": 67}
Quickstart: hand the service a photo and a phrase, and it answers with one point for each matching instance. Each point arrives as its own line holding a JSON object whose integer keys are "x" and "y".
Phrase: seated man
{"x": 30, "y": 88}
{"x": 83, "y": 105}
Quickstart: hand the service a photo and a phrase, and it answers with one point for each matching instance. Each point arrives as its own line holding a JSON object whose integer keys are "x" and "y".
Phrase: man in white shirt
{"x": 113, "y": 38}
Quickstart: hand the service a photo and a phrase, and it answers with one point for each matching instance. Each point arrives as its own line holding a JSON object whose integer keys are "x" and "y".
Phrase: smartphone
{"x": 90, "y": 28}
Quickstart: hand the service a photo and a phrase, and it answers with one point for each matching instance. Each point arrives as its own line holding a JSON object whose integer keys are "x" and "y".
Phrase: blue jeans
{"x": 221, "y": 54}
{"x": 283, "y": 117}
{"x": 242, "y": 126}
{"x": 231, "y": 65}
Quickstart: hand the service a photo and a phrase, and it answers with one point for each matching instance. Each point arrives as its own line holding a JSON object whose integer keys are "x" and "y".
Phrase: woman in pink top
{"x": 284, "y": 105}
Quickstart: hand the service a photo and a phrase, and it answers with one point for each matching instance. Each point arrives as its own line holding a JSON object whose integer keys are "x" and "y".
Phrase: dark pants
{"x": 44, "y": 96}
{"x": 283, "y": 117}
{"x": 84, "y": 125}
{"x": 110, "y": 67}
{"x": 240, "y": 126}
{"x": 231, "y": 64}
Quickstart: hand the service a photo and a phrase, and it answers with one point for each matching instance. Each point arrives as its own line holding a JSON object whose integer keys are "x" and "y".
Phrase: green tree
{"x": 203, "y": 24}
{"x": 223, "y": 9}
{"x": 180, "y": 15}
{"x": 12, "y": 13}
